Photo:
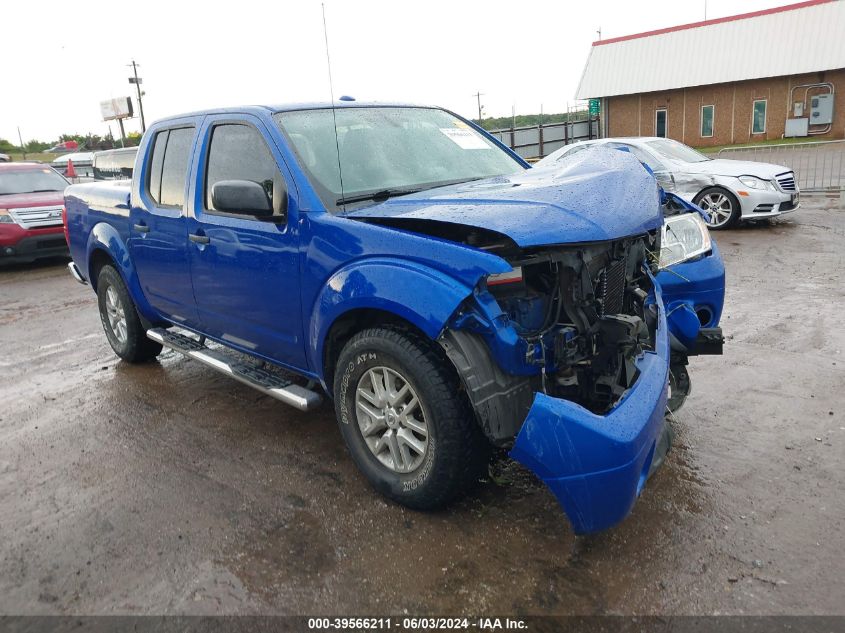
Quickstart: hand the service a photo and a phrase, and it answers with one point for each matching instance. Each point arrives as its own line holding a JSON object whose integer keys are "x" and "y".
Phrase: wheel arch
{"x": 352, "y": 322}
{"x": 715, "y": 185}
{"x": 106, "y": 246}
{"x": 379, "y": 292}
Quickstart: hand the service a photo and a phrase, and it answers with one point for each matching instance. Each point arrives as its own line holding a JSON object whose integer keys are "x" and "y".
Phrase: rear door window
{"x": 169, "y": 166}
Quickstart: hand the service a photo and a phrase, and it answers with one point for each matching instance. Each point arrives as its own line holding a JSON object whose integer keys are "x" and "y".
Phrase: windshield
{"x": 388, "y": 150}
{"x": 31, "y": 181}
{"x": 677, "y": 151}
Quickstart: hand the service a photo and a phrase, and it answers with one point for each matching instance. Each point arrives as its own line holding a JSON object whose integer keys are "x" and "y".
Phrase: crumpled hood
{"x": 727, "y": 167}
{"x": 591, "y": 196}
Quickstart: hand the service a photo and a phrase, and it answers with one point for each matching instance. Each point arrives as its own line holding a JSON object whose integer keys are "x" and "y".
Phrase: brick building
{"x": 735, "y": 80}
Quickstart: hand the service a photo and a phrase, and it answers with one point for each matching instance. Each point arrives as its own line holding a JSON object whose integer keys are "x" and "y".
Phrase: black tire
{"x": 716, "y": 219}
{"x": 132, "y": 345}
{"x": 457, "y": 453}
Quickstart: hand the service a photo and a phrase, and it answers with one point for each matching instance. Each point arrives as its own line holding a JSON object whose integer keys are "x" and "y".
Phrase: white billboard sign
{"x": 120, "y": 108}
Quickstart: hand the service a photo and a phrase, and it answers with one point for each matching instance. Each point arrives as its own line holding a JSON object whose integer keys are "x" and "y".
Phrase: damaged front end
{"x": 566, "y": 362}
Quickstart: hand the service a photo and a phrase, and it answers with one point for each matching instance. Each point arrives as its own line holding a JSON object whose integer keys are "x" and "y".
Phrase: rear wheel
{"x": 407, "y": 424}
{"x": 720, "y": 206}
{"x": 121, "y": 323}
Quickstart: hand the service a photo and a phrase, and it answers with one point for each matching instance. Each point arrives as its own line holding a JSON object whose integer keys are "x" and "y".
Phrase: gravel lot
{"x": 167, "y": 488}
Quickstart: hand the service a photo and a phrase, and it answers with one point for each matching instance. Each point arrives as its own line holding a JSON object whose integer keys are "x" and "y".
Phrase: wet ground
{"x": 167, "y": 488}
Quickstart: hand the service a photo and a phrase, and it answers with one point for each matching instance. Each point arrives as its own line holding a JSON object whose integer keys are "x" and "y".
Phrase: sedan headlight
{"x": 752, "y": 182}
{"x": 684, "y": 237}
{"x": 5, "y": 218}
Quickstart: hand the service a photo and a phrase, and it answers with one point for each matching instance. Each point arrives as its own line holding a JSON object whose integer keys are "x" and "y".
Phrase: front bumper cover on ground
{"x": 597, "y": 465}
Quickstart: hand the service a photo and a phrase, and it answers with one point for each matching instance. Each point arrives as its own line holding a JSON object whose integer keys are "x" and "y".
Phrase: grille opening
{"x": 786, "y": 181}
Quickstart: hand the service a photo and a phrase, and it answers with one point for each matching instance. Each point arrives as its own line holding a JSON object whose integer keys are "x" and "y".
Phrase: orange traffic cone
{"x": 70, "y": 172}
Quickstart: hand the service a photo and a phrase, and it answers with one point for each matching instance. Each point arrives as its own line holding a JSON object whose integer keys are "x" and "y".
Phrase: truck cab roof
{"x": 291, "y": 107}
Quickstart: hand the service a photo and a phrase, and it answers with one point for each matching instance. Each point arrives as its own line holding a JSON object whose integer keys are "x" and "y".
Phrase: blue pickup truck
{"x": 448, "y": 298}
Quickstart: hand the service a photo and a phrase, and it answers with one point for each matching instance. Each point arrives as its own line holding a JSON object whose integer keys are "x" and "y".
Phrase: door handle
{"x": 199, "y": 239}
{"x": 141, "y": 228}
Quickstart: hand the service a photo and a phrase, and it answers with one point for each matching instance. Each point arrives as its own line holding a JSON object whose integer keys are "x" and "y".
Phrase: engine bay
{"x": 584, "y": 315}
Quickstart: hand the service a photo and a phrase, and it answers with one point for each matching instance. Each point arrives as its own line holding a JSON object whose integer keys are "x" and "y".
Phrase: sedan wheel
{"x": 720, "y": 208}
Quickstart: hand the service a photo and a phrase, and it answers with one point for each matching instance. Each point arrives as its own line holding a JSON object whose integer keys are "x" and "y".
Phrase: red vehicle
{"x": 31, "y": 206}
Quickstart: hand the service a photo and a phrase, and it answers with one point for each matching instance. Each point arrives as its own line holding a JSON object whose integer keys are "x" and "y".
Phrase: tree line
{"x": 87, "y": 142}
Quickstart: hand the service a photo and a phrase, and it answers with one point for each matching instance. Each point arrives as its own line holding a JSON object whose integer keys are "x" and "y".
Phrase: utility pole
{"x": 598, "y": 32}
{"x": 122, "y": 133}
{"x": 20, "y": 139}
{"x": 705, "y": 10}
{"x": 137, "y": 81}
{"x": 478, "y": 96}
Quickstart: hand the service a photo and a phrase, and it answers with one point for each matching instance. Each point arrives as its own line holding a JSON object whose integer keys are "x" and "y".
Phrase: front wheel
{"x": 406, "y": 422}
{"x": 720, "y": 206}
{"x": 121, "y": 323}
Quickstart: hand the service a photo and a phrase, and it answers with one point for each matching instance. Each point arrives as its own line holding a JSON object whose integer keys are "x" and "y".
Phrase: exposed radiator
{"x": 611, "y": 290}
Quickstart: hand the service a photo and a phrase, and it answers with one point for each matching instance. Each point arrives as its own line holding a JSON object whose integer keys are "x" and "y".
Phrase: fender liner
{"x": 501, "y": 401}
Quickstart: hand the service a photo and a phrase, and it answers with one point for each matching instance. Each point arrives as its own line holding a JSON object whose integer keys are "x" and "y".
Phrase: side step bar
{"x": 265, "y": 381}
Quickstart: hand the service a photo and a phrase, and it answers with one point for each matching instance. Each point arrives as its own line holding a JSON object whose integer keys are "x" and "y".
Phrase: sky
{"x": 61, "y": 59}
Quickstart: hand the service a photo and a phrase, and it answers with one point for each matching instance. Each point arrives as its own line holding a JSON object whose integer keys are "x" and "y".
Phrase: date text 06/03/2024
{"x": 417, "y": 624}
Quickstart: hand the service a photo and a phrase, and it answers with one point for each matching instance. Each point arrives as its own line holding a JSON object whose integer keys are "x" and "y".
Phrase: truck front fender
{"x": 107, "y": 239}
{"x": 416, "y": 293}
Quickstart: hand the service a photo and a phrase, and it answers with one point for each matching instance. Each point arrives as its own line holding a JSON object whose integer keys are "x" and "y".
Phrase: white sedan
{"x": 727, "y": 190}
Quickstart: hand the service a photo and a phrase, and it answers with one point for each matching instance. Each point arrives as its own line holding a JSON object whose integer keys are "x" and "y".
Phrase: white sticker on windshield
{"x": 466, "y": 139}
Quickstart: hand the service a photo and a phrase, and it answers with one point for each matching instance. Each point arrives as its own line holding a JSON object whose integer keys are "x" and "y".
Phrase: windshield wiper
{"x": 384, "y": 194}
{"x": 376, "y": 196}
{"x": 41, "y": 190}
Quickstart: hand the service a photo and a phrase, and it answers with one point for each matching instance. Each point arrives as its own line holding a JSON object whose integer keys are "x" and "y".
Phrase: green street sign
{"x": 595, "y": 107}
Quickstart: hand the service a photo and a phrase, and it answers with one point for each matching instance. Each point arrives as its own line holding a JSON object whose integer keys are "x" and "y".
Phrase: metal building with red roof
{"x": 738, "y": 79}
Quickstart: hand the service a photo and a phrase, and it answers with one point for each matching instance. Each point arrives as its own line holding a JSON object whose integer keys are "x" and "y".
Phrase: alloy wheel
{"x": 391, "y": 419}
{"x": 717, "y": 207}
{"x": 116, "y": 314}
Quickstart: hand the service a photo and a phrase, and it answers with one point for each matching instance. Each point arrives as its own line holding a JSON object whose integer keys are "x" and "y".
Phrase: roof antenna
{"x": 331, "y": 92}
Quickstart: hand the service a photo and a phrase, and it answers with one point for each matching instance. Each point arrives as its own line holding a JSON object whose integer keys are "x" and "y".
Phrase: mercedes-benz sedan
{"x": 727, "y": 190}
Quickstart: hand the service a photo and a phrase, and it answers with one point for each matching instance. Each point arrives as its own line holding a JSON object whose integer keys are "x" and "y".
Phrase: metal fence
{"x": 537, "y": 141}
{"x": 819, "y": 166}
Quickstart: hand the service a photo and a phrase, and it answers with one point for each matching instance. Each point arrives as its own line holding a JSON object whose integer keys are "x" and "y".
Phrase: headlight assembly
{"x": 752, "y": 182}
{"x": 684, "y": 237}
{"x": 5, "y": 218}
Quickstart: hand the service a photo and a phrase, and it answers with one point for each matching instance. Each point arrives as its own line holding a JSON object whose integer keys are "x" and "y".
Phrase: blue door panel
{"x": 157, "y": 237}
{"x": 246, "y": 278}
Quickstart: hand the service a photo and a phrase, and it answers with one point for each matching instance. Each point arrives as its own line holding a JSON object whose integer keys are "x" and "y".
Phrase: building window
{"x": 660, "y": 122}
{"x": 707, "y": 120}
{"x": 758, "y": 117}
